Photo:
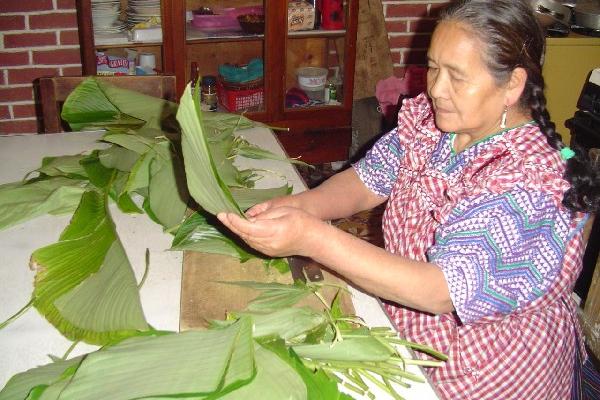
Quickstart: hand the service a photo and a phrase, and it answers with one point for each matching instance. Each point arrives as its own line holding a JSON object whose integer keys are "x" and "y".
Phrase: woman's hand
{"x": 283, "y": 201}
{"x": 277, "y": 231}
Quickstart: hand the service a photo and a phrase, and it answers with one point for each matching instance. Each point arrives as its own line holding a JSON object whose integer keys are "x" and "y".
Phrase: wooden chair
{"x": 54, "y": 91}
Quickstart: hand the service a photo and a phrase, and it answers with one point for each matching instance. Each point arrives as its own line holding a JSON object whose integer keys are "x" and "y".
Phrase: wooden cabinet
{"x": 318, "y": 132}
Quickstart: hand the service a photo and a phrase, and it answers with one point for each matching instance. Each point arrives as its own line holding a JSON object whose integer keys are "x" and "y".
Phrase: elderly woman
{"x": 484, "y": 215}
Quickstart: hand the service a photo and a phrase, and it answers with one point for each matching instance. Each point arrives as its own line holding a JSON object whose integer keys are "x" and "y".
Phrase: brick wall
{"x": 409, "y": 25}
{"x": 37, "y": 38}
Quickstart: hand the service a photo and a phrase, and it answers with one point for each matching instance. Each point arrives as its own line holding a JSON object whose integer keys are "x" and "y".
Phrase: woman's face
{"x": 465, "y": 96}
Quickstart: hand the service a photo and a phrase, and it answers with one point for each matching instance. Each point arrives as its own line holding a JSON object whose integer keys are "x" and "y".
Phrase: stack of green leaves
{"x": 140, "y": 169}
{"x": 272, "y": 350}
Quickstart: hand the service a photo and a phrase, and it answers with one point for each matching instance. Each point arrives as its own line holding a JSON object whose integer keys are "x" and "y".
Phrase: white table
{"x": 29, "y": 340}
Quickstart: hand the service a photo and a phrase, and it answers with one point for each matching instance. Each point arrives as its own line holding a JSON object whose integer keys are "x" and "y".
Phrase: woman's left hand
{"x": 277, "y": 232}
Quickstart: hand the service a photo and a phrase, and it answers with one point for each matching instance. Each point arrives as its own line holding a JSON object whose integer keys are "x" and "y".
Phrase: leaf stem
{"x": 17, "y": 314}
{"x": 69, "y": 350}
{"x": 146, "y": 269}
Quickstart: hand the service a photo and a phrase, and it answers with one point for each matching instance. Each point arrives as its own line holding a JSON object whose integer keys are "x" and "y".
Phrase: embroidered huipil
{"x": 491, "y": 218}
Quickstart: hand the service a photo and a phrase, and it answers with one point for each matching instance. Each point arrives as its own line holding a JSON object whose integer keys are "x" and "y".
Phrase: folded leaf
{"x": 204, "y": 183}
{"x": 197, "y": 234}
{"x": 20, "y": 202}
{"x": 20, "y": 385}
{"x": 184, "y": 364}
{"x": 87, "y": 103}
{"x": 287, "y": 323}
{"x": 366, "y": 348}
{"x": 153, "y": 110}
{"x": 67, "y": 166}
{"x": 84, "y": 284}
{"x": 166, "y": 198}
{"x": 318, "y": 384}
{"x": 247, "y": 198}
{"x": 275, "y": 380}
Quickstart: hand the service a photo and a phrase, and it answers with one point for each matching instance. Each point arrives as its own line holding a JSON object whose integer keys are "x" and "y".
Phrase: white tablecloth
{"x": 29, "y": 340}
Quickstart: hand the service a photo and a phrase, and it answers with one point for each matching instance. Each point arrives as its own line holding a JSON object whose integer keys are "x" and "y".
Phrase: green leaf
{"x": 287, "y": 323}
{"x": 99, "y": 175}
{"x": 185, "y": 364}
{"x": 246, "y": 149}
{"x": 166, "y": 199}
{"x": 20, "y": 385}
{"x": 20, "y": 202}
{"x": 67, "y": 166}
{"x": 275, "y": 380}
{"x": 84, "y": 284}
{"x": 153, "y": 110}
{"x": 87, "y": 103}
{"x": 247, "y": 198}
{"x": 204, "y": 183}
{"x": 197, "y": 234}
{"x": 139, "y": 176}
{"x": 118, "y": 158}
{"x": 221, "y": 125}
{"x": 366, "y": 348}
{"x": 133, "y": 142}
{"x": 274, "y": 295}
{"x": 319, "y": 386}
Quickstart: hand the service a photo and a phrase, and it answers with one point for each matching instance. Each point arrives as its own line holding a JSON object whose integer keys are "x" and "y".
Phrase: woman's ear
{"x": 516, "y": 85}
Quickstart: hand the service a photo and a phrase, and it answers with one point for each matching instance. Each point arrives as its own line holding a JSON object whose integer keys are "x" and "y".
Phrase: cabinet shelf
{"x": 120, "y": 40}
{"x": 197, "y": 35}
{"x": 319, "y": 132}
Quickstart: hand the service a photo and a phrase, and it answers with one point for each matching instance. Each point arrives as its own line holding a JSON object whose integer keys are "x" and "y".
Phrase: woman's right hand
{"x": 283, "y": 201}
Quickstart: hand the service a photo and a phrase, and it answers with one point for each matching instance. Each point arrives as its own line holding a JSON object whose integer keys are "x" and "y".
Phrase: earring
{"x": 503, "y": 120}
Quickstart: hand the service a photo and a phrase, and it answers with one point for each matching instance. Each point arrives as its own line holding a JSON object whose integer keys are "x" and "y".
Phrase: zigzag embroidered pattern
{"x": 507, "y": 247}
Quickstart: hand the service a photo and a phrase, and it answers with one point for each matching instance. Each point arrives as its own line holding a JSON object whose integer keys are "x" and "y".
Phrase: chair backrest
{"x": 53, "y": 92}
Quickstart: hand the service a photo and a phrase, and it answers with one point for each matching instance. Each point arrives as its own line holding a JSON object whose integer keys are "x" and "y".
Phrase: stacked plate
{"x": 143, "y": 11}
{"x": 105, "y": 16}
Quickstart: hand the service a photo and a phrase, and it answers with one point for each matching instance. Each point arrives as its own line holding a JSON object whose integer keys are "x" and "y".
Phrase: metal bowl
{"x": 550, "y": 12}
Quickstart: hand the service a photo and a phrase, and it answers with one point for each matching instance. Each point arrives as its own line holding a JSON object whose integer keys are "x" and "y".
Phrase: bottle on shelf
{"x": 208, "y": 93}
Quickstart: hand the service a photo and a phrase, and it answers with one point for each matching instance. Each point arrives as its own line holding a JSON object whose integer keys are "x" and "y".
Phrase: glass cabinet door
{"x": 315, "y": 56}
{"x": 126, "y": 37}
{"x": 225, "y": 51}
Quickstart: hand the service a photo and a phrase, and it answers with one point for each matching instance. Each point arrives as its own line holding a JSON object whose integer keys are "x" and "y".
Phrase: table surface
{"x": 29, "y": 340}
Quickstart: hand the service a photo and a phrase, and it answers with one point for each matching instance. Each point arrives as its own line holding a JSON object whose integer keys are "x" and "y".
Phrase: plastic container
{"x": 213, "y": 23}
{"x": 237, "y": 11}
{"x": 239, "y": 99}
{"x": 312, "y": 80}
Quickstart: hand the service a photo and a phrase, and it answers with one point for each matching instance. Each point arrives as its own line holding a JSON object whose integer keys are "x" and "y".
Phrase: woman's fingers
{"x": 258, "y": 209}
{"x": 274, "y": 232}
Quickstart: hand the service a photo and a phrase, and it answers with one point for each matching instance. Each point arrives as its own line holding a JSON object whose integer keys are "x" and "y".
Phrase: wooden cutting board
{"x": 204, "y": 297}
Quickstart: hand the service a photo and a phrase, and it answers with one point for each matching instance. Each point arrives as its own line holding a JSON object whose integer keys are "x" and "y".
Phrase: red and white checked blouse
{"x": 515, "y": 332}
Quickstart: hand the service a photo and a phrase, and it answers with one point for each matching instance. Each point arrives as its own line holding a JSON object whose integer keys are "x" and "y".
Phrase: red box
{"x": 239, "y": 99}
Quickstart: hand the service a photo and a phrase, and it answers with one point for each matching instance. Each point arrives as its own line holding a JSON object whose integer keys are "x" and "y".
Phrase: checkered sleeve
{"x": 499, "y": 252}
{"x": 378, "y": 169}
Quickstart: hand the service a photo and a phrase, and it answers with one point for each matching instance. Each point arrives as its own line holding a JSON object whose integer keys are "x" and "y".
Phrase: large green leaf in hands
{"x": 84, "y": 284}
{"x": 198, "y": 234}
{"x": 204, "y": 183}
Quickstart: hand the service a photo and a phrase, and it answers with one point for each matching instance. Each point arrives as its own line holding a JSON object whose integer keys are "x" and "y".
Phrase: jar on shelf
{"x": 208, "y": 93}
